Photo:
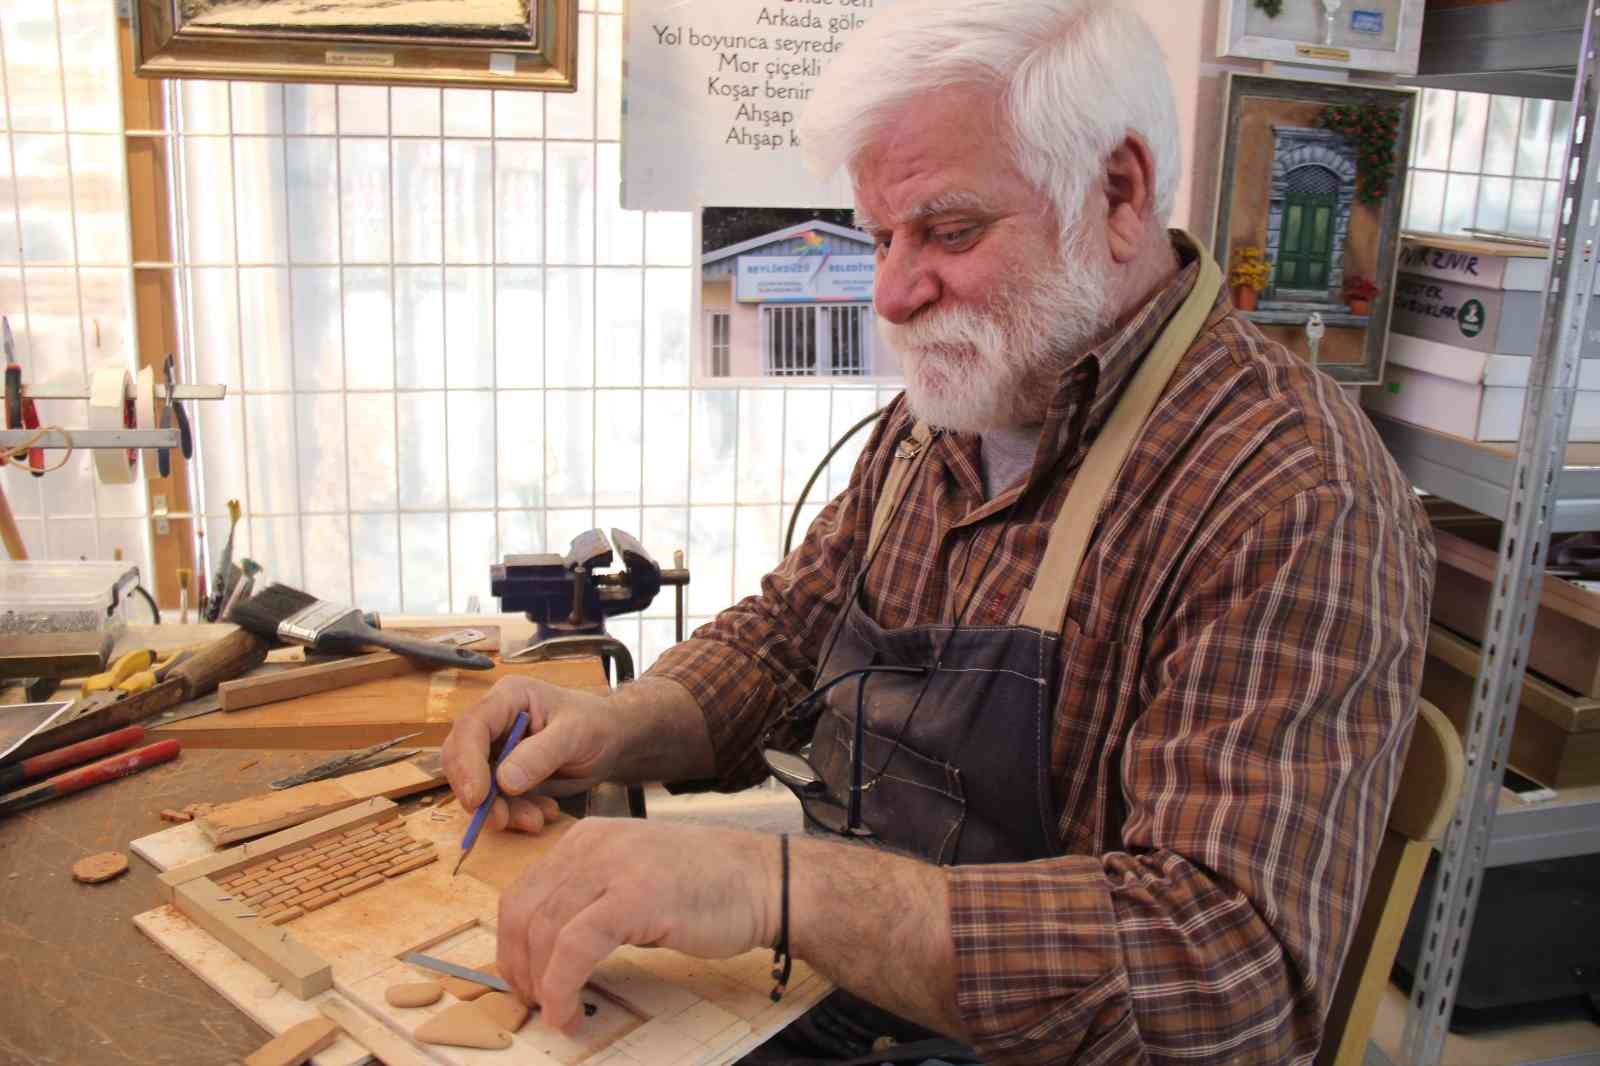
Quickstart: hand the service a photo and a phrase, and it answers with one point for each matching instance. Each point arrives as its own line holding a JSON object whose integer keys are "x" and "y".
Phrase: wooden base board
{"x": 654, "y": 1008}
{"x": 354, "y": 717}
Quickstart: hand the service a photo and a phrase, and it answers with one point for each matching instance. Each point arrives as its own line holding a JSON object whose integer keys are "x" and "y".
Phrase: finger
{"x": 500, "y": 813}
{"x": 581, "y": 945}
{"x": 539, "y": 757}
{"x": 511, "y": 944}
{"x": 526, "y": 816}
{"x": 465, "y": 754}
{"x": 548, "y": 807}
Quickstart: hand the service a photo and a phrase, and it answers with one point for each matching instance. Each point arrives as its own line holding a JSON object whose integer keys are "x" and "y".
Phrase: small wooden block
{"x": 286, "y": 916}
{"x": 317, "y": 881}
{"x": 463, "y": 1026}
{"x": 296, "y": 1044}
{"x": 411, "y": 864}
{"x": 364, "y": 883}
{"x": 506, "y": 1011}
{"x": 170, "y": 815}
{"x": 276, "y": 954}
{"x": 387, "y": 1047}
{"x": 413, "y": 994}
{"x": 316, "y": 903}
{"x": 93, "y": 869}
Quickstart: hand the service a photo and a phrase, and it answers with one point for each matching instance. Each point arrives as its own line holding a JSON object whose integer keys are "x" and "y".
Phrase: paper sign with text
{"x": 713, "y": 93}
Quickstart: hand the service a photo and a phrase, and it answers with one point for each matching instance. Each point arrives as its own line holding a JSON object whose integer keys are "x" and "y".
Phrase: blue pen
{"x": 518, "y": 727}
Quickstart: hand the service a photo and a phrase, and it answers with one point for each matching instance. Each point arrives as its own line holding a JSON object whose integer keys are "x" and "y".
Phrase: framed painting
{"x": 503, "y": 44}
{"x": 1378, "y": 35}
{"x": 1309, "y": 205}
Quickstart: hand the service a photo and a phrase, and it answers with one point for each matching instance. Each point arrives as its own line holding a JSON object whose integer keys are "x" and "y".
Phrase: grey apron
{"x": 965, "y": 778}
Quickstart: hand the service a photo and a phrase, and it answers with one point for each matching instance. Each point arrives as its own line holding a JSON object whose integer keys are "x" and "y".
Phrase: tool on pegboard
{"x": 20, "y": 411}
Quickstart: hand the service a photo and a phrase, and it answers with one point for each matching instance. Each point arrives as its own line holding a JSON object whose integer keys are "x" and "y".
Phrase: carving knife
{"x": 428, "y": 962}
{"x": 519, "y": 727}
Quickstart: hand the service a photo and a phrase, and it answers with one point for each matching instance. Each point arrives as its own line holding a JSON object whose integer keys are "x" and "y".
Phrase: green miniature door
{"x": 1305, "y": 252}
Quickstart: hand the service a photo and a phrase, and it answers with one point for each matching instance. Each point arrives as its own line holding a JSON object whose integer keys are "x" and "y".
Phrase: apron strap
{"x": 908, "y": 458}
{"x": 1046, "y": 607}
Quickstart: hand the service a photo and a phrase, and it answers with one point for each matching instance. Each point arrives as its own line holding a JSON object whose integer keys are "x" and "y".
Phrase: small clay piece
{"x": 426, "y": 801}
{"x": 198, "y": 810}
{"x": 463, "y": 1025}
{"x": 462, "y": 989}
{"x": 413, "y": 994}
{"x": 248, "y": 763}
{"x": 170, "y": 815}
{"x": 295, "y": 1044}
{"x": 97, "y": 868}
{"x": 506, "y": 1011}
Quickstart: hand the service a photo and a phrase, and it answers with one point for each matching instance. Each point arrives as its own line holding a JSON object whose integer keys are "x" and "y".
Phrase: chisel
{"x": 41, "y": 766}
{"x": 88, "y": 776}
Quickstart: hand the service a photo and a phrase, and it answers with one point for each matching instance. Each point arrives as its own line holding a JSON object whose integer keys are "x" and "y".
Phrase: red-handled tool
{"x": 20, "y": 412}
{"x": 88, "y": 776}
{"x": 42, "y": 766}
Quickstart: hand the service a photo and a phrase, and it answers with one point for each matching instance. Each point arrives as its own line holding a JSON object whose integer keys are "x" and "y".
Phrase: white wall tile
{"x": 420, "y": 430}
{"x": 275, "y": 544}
{"x": 419, "y": 327}
{"x": 569, "y": 203}
{"x": 317, "y": 332}
{"x": 760, "y": 532}
{"x": 520, "y": 455}
{"x": 619, "y": 327}
{"x": 521, "y": 533}
{"x": 425, "y": 563}
{"x": 467, "y": 113}
{"x": 270, "y": 467}
{"x": 265, "y": 328}
{"x": 471, "y": 455}
{"x": 518, "y": 200}
{"x": 569, "y": 328}
{"x": 214, "y": 319}
{"x": 665, "y": 473}
{"x": 666, "y": 327}
{"x": 713, "y": 443}
{"x": 100, "y": 203}
{"x": 373, "y": 451}
{"x": 312, "y": 166}
{"x": 89, "y": 49}
{"x": 257, "y": 107}
{"x": 618, "y": 447}
{"x": 469, "y": 327}
{"x": 33, "y": 67}
{"x": 761, "y": 430}
{"x": 418, "y": 202}
{"x": 368, "y": 328}
{"x": 220, "y": 442}
{"x": 710, "y": 559}
{"x": 260, "y": 192}
{"x": 468, "y": 171}
{"x": 309, "y": 109}
{"x": 569, "y": 448}
{"x": 363, "y": 110}
{"x": 472, "y": 552}
{"x": 518, "y": 114}
{"x": 806, "y": 437}
{"x": 415, "y": 111}
{"x": 364, "y": 199}
{"x": 375, "y": 561}
{"x": 328, "y": 557}
{"x": 519, "y": 327}
{"x": 320, "y": 444}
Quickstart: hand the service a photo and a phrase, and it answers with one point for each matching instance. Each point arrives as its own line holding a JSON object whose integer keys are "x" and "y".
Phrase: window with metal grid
{"x": 720, "y": 328}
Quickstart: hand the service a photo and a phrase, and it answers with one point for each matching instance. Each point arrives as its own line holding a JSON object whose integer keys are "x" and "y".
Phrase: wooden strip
{"x": 286, "y": 916}
{"x": 319, "y": 901}
{"x": 411, "y": 864}
{"x": 256, "y": 815}
{"x": 274, "y": 846}
{"x": 277, "y": 954}
{"x": 295, "y": 1045}
{"x": 309, "y": 680}
{"x": 364, "y": 883}
{"x": 385, "y": 1046}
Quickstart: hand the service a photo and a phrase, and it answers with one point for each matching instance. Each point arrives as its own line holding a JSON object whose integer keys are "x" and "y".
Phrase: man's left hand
{"x": 708, "y": 892}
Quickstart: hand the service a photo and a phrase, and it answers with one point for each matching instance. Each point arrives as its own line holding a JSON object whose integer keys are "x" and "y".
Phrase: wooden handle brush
{"x": 287, "y": 614}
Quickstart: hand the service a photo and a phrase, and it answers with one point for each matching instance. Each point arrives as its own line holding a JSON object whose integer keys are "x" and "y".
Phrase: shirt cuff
{"x": 737, "y": 698}
{"x": 1039, "y": 967}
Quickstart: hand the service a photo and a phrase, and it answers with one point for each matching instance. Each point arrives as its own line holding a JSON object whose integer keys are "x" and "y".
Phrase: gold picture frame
{"x": 452, "y": 43}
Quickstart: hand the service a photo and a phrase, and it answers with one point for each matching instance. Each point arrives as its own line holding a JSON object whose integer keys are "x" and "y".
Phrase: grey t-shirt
{"x": 1007, "y": 456}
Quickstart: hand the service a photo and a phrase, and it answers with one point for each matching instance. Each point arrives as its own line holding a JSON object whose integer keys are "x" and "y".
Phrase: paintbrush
{"x": 300, "y": 618}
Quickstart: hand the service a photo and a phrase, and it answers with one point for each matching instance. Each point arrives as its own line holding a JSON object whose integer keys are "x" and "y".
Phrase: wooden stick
{"x": 255, "y": 815}
{"x": 273, "y": 951}
{"x": 296, "y": 1044}
{"x": 384, "y": 1045}
{"x": 9, "y": 531}
{"x": 292, "y": 684}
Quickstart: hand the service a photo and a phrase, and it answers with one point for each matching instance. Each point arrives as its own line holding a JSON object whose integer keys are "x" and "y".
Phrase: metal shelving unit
{"x": 1522, "y": 47}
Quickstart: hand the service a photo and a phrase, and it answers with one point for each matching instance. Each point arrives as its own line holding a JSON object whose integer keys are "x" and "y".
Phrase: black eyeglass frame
{"x": 802, "y": 778}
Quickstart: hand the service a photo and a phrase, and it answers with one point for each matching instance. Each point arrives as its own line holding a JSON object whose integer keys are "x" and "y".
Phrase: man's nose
{"x": 903, "y": 284}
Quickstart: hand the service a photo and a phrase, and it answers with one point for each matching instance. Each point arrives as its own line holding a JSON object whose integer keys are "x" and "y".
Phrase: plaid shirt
{"x": 1235, "y": 694}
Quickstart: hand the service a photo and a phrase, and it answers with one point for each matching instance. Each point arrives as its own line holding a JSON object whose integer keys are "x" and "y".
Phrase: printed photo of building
{"x": 789, "y": 302}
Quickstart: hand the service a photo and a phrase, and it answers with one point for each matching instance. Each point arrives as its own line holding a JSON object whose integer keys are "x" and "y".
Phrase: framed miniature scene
{"x": 1377, "y": 35}
{"x": 786, "y": 293}
{"x": 504, "y": 44}
{"x": 1309, "y": 202}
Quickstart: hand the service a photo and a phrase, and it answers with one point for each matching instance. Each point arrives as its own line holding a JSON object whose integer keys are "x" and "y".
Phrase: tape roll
{"x": 111, "y": 407}
{"x": 144, "y": 405}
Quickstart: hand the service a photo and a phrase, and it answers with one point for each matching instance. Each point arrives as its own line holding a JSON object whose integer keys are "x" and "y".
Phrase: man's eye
{"x": 956, "y": 236}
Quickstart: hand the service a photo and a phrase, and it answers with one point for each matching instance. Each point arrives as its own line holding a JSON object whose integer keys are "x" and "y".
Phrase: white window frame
{"x": 781, "y": 357}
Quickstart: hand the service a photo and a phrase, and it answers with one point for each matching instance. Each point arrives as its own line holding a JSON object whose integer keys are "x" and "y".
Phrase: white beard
{"x": 969, "y": 370}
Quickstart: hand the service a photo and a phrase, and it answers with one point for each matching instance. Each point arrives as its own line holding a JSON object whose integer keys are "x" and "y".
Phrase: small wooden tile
{"x": 411, "y": 864}
{"x": 286, "y": 916}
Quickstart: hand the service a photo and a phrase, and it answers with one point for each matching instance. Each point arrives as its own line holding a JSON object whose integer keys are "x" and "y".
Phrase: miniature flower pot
{"x": 1360, "y": 307}
{"x": 1244, "y": 298}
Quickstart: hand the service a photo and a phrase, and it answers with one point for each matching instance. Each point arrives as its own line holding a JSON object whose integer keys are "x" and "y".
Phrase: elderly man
{"x": 1111, "y": 645}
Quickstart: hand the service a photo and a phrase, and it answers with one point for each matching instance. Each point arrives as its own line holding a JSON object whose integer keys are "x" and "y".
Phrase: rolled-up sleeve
{"x": 760, "y": 655}
{"x": 1256, "y": 784}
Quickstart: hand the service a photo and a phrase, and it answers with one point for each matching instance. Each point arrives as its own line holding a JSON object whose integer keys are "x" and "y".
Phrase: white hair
{"x": 1074, "y": 77}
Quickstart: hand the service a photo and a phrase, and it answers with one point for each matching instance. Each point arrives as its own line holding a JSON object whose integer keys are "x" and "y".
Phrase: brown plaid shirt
{"x": 1235, "y": 694}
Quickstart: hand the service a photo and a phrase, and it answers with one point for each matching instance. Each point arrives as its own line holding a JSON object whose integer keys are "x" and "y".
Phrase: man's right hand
{"x": 572, "y": 744}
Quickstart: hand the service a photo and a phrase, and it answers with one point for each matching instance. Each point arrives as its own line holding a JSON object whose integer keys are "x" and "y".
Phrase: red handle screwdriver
{"x": 88, "y": 776}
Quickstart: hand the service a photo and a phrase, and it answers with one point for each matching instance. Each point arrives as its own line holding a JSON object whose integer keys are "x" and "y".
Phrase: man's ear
{"x": 1130, "y": 189}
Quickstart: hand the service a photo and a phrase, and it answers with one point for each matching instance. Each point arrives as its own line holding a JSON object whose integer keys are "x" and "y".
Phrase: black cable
{"x": 794, "y": 517}
{"x": 782, "y": 961}
{"x": 154, "y": 610}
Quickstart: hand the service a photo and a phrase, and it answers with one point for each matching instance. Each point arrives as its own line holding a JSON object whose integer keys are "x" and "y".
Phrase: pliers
{"x": 20, "y": 412}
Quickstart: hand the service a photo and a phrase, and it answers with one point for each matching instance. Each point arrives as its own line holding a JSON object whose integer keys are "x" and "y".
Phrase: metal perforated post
{"x": 1514, "y": 600}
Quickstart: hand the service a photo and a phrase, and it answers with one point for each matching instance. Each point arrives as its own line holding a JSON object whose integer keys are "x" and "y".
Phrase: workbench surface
{"x": 83, "y": 985}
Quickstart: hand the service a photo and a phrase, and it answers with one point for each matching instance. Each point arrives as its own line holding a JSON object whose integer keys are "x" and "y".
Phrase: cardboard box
{"x": 1470, "y": 394}
{"x": 1485, "y": 320}
{"x": 1486, "y": 264}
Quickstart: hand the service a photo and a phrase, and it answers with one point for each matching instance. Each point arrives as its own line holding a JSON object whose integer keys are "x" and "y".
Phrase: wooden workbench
{"x": 87, "y": 985}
